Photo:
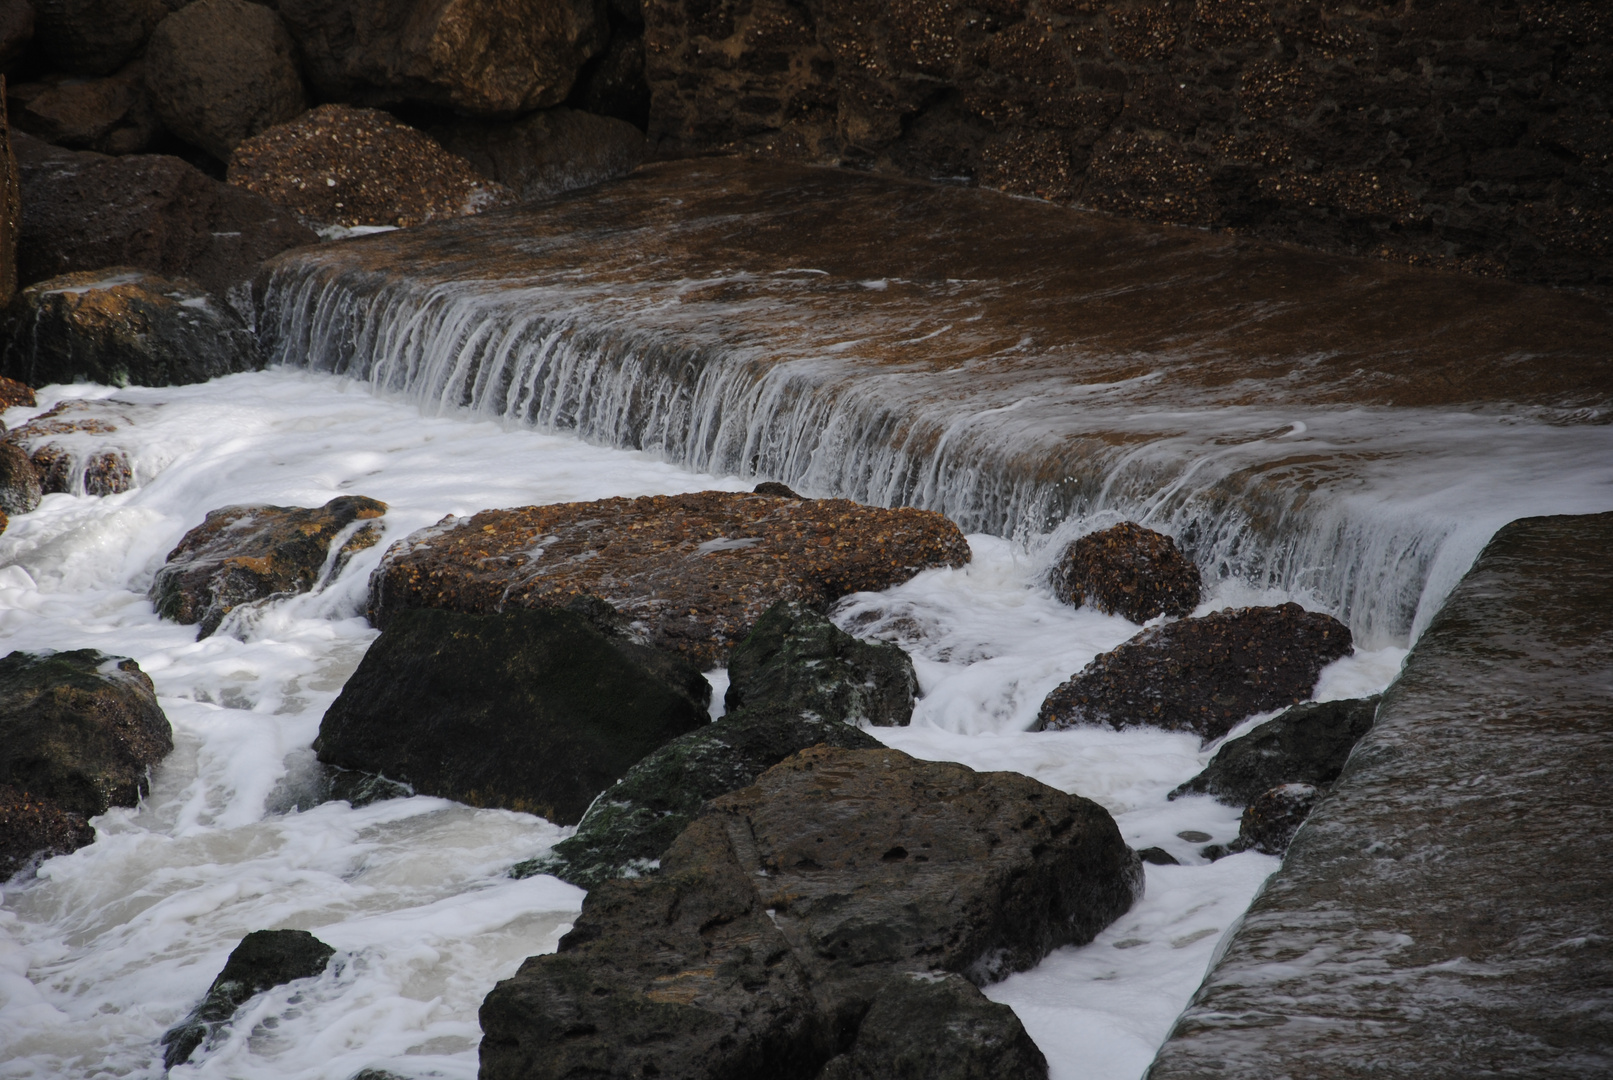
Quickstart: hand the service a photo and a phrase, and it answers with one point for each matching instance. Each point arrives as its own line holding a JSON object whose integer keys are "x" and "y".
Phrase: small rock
{"x": 263, "y": 960}
{"x": 72, "y": 449}
{"x": 776, "y": 489}
{"x": 19, "y": 480}
{"x": 111, "y": 115}
{"x": 530, "y": 710}
{"x": 1202, "y": 675}
{"x": 221, "y": 71}
{"x": 241, "y": 554}
{"x": 1128, "y": 570}
{"x": 1157, "y": 856}
{"x": 14, "y": 394}
{"x": 1307, "y": 744}
{"x": 122, "y": 325}
{"x": 548, "y": 152}
{"x": 94, "y": 37}
{"x": 1269, "y": 823}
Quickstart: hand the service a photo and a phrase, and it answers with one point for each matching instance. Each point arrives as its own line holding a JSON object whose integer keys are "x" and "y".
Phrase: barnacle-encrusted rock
{"x": 1128, "y": 570}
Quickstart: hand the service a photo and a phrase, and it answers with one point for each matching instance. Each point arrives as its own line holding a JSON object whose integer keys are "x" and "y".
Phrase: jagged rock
{"x": 1128, "y": 570}
{"x": 112, "y": 115}
{"x": 94, "y": 37}
{"x": 1202, "y": 675}
{"x": 123, "y": 325}
{"x": 1307, "y": 744}
{"x": 263, "y": 960}
{"x": 783, "y": 914}
{"x": 14, "y": 393}
{"x": 1271, "y": 820}
{"x": 221, "y": 71}
{"x": 71, "y": 449}
{"x": 548, "y": 152}
{"x": 241, "y": 554}
{"x": 530, "y": 710}
{"x": 480, "y": 57}
{"x": 16, "y": 28}
{"x": 19, "y": 480}
{"x": 78, "y": 733}
{"x": 337, "y": 165}
{"x": 695, "y": 570}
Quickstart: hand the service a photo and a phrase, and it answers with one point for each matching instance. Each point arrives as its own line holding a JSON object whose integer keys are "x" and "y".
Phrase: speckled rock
{"x": 14, "y": 393}
{"x": 94, "y": 37}
{"x": 1270, "y": 822}
{"x": 1128, "y": 570}
{"x": 20, "y": 491}
{"x": 242, "y": 554}
{"x": 35, "y": 829}
{"x": 1307, "y": 744}
{"x": 76, "y": 448}
{"x": 112, "y": 115}
{"x": 695, "y": 571}
{"x": 548, "y": 152}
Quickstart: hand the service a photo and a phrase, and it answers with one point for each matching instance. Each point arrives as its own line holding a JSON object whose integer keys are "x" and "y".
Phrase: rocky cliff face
{"x": 1463, "y": 134}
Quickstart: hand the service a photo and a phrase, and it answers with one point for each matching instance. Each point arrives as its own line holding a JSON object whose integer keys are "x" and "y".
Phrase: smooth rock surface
{"x": 75, "y": 447}
{"x": 547, "y": 152}
{"x": 1128, "y": 570}
{"x": 1307, "y": 744}
{"x": 94, "y": 37}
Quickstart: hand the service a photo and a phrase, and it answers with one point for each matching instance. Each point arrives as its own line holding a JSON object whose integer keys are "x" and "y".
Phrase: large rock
{"x": 788, "y": 909}
{"x": 242, "y": 554}
{"x": 614, "y": 84}
{"x": 1128, "y": 570}
{"x": 263, "y": 960}
{"x": 112, "y": 115}
{"x": 79, "y": 732}
{"x": 221, "y": 71}
{"x": 695, "y": 570}
{"x": 10, "y": 215}
{"x": 482, "y": 57}
{"x": 75, "y": 447}
{"x": 1202, "y": 675}
{"x": 123, "y": 325}
{"x": 16, "y": 28}
{"x": 530, "y": 710}
{"x": 1307, "y": 744}
{"x": 548, "y": 152}
{"x": 337, "y": 165}
{"x": 94, "y": 37}
{"x": 20, "y": 491}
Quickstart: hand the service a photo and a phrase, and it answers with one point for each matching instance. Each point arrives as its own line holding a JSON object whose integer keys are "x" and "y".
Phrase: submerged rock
{"x": 74, "y": 449}
{"x": 263, "y": 960}
{"x": 1271, "y": 820}
{"x": 1307, "y": 744}
{"x": 241, "y": 554}
{"x": 19, "y": 480}
{"x": 548, "y": 152}
{"x": 532, "y": 710}
{"x": 1202, "y": 675}
{"x": 1128, "y": 570}
{"x": 694, "y": 571}
{"x": 788, "y": 909}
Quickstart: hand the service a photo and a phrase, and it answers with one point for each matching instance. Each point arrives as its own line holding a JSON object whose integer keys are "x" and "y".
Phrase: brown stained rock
{"x": 548, "y": 152}
{"x": 69, "y": 448}
{"x": 111, "y": 115}
{"x": 33, "y": 828}
{"x": 1128, "y": 570}
{"x": 94, "y": 37}
{"x": 14, "y": 393}
{"x": 1202, "y": 675}
{"x": 337, "y": 165}
{"x": 695, "y": 570}
{"x": 240, "y": 554}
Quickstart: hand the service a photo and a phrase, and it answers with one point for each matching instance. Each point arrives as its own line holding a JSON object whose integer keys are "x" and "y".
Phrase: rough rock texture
{"x": 695, "y": 570}
{"x": 83, "y": 211}
{"x": 78, "y": 732}
{"x": 241, "y": 554}
{"x": 1128, "y": 570}
{"x": 123, "y": 325}
{"x": 10, "y": 216}
{"x": 16, "y": 28}
{"x": 530, "y": 710}
{"x": 337, "y": 165}
{"x": 14, "y": 393}
{"x": 1202, "y": 675}
{"x": 19, "y": 480}
{"x": 32, "y": 828}
{"x": 788, "y": 908}
{"x": 94, "y": 37}
{"x": 264, "y": 959}
{"x": 481, "y": 57}
{"x": 221, "y": 71}
{"x": 1271, "y": 820}
{"x": 1307, "y": 744}
{"x": 548, "y": 152}
{"x": 112, "y": 115}
{"x": 73, "y": 449}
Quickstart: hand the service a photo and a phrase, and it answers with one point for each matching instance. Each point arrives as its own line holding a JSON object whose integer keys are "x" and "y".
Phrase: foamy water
{"x": 106, "y": 948}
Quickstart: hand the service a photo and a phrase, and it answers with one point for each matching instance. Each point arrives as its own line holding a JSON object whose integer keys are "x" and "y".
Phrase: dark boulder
{"x": 1307, "y": 744}
{"x": 263, "y": 960}
{"x": 74, "y": 447}
{"x": 241, "y": 554}
{"x": 531, "y": 710}
{"x": 613, "y": 83}
{"x": 33, "y": 829}
{"x": 19, "y": 480}
{"x": 112, "y": 115}
{"x": 10, "y": 223}
{"x": 16, "y": 28}
{"x": 1202, "y": 675}
{"x": 1271, "y": 820}
{"x": 94, "y": 37}
{"x": 1128, "y": 570}
{"x": 776, "y": 489}
{"x": 122, "y": 325}
{"x": 548, "y": 152}
{"x": 784, "y": 913}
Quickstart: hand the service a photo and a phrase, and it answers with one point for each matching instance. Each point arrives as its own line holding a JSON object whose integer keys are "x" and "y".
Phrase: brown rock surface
{"x": 337, "y": 165}
{"x": 1202, "y": 675}
{"x": 33, "y": 828}
{"x": 14, "y": 393}
{"x": 94, "y": 37}
{"x": 111, "y": 115}
{"x": 16, "y": 28}
{"x": 548, "y": 152}
{"x": 695, "y": 570}
{"x": 1128, "y": 570}
{"x": 1269, "y": 823}
{"x": 70, "y": 448}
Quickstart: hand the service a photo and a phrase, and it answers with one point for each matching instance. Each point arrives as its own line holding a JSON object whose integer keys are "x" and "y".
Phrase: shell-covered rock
{"x": 1128, "y": 570}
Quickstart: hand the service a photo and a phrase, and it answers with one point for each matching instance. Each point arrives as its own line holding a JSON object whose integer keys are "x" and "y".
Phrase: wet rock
{"x": 221, "y": 71}
{"x": 16, "y": 28}
{"x": 94, "y": 37}
{"x": 1157, "y": 856}
{"x": 530, "y": 710}
{"x": 33, "y": 829}
{"x": 784, "y": 913}
{"x": 776, "y": 489}
{"x": 263, "y": 960}
{"x": 112, "y": 115}
{"x": 1271, "y": 820}
{"x": 480, "y": 57}
{"x": 337, "y": 165}
{"x": 613, "y": 84}
{"x": 14, "y": 393}
{"x": 1128, "y": 570}
{"x": 1202, "y": 675}
{"x": 548, "y": 152}
{"x": 696, "y": 571}
{"x": 74, "y": 447}
{"x": 123, "y": 325}
{"x": 10, "y": 221}
{"x": 1307, "y": 744}
{"x": 19, "y": 480}
{"x": 242, "y": 554}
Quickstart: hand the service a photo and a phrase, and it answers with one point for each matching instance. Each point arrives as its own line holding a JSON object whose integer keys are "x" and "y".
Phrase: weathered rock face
{"x": 111, "y": 115}
{"x": 530, "y": 710}
{"x": 14, "y": 393}
{"x": 120, "y": 326}
{"x": 482, "y": 57}
{"x": 19, "y": 480}
{"x": 787, "y": 909}
{"x": 696, "y": 571}
{"x": 94, "y": 37}
{"x": 548, "y": 152}
{"x": 264, "y": 959}
{"x": 221, "y": 71}
{"x": 74, "y": 447}
{"x": 1202, "y": 675}
{"x": 241, "y": 554}
{"x": 1307, "y": 744}
{"x": 1271, "y": 820}
{"x": 337, "y": 165}
{"x": 1128, "y": 570}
